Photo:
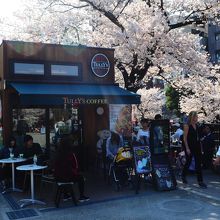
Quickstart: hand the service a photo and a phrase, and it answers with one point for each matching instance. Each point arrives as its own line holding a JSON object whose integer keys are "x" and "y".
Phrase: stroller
{"x": 180, "y": 162}
{"x": 121, "y": 168}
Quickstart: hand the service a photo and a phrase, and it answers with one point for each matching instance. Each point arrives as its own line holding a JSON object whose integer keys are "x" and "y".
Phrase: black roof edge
{"x": 53, "y": 44}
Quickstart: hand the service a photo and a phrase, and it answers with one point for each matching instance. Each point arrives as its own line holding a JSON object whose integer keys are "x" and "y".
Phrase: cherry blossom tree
{"x": 205, "y": 100}
{"x": 152, "y": 101}
{"x": 151, "y": 38}
{"x": 147, "y": 35}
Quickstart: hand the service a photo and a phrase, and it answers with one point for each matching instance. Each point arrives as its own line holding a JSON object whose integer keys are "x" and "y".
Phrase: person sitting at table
{"x": 30, "y": 148}
{"x": 5, "y": 170}
{"x": 66, "y": 166}
{"x": 11, "y": 147}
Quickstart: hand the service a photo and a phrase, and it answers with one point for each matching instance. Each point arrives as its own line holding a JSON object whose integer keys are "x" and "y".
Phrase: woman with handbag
{"x": 193, "y": 148}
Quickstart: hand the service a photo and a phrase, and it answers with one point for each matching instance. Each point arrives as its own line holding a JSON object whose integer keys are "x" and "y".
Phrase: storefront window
{"x": 64, "y": 122}
{"x": 31, "y": 122}
{"x": 64, "y": 70}
{"x": 29, "y": 68}
{"x": 218, "y": 56}
{"x": 217, "y": 36}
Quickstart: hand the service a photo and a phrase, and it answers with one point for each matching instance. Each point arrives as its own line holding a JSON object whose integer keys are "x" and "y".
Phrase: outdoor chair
{"x": 47, "y": 176}
{"x": 47, "y": 179}
{"x": 64, "y": 187}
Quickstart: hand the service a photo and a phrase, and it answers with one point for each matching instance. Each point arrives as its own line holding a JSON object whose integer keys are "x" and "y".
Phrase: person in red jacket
{"x": 66, "y": 166}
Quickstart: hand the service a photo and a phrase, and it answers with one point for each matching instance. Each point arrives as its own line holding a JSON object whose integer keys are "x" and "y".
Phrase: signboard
{"x": 120, "y": 119}
{"x": 84, "y": 101}
{"x": 100, "y": 65}
{"x": 160, "y": 136}
{"x": 142, "y": 159}
{"x": 164, "y": 177}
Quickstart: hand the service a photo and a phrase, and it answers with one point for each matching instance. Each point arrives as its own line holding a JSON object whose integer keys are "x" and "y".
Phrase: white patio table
{"x": 32, "y": 200}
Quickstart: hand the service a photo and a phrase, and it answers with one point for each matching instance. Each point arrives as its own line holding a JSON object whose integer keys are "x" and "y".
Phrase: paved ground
{"x": 186, "y": 203}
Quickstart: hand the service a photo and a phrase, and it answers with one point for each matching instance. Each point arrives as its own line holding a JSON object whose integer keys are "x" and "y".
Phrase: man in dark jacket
{"x": 208, "y": 146}
{"x": 30, "y": 149}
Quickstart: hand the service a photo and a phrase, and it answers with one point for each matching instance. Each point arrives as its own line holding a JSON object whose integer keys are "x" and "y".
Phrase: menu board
{"x": 142, "y": 159}
{"x": 160, "y": 136}
{"x": 164, "y": 177}
{"x": 120, "y": 119}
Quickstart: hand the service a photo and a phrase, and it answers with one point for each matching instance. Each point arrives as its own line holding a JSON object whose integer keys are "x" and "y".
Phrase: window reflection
{"x": 29, "y": 121}
{"x": 29, "y": 68}
{"x": 64, "y": 70}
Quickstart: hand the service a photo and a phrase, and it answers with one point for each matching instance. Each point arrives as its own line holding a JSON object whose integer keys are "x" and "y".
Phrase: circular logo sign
{"x": 100, "y": 65}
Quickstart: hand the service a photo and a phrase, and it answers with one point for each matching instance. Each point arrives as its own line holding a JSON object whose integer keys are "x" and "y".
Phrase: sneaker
{"x": 67, "y": 197}
{"x": 202, "y": 185}
{"x": 83, "y": 199}
{"x": 184, "y": 181}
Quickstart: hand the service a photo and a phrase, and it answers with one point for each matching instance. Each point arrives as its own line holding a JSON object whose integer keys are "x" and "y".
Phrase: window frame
{"x": 12, "y": 67}
{"x": 69, "y": 77}
{"x": 62, "y": 64}
{"x": 47, "y": 76}
{"x": 217, "y": 56}
{"x": 217, "y": 34}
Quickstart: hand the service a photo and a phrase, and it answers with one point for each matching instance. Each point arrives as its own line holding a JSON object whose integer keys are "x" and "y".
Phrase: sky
{"x": 8, "y": 7}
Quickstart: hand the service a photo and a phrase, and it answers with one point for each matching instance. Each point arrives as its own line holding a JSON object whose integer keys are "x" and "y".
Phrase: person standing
{"x": 143, "y": 134}
{"x": 208, "y": 145}
{"x": 193, "y": 148}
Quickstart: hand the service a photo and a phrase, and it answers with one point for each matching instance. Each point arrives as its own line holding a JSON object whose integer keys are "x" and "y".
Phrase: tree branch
{"x": 124, "y": 7}
{"x": 197, "y": 20}
{"x": 185, "y": 23}
{"x": 124, "y": 72}
{"x": 108, "y": 14}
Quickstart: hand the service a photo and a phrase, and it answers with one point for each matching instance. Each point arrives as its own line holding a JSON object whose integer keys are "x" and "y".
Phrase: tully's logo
{"x": 83, "y": 101}
{"x": 100, "y": 65}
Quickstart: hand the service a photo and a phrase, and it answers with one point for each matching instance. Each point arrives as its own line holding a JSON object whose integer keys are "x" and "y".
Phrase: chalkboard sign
{"x": 164, "y": 177}
{"x": 160, "y": 136}
{"x": 142, "y": 159}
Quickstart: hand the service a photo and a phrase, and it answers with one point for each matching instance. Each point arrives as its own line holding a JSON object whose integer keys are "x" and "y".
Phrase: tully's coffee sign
{"x": 81, "y": 101}
{"x": 100, "y": 65}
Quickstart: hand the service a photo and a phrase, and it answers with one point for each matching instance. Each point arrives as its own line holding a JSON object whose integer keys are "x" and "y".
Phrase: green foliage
{"x": 172, "y": 99}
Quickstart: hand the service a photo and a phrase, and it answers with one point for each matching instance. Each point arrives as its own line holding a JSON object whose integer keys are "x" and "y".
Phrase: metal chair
{"x": 64, "y": 187}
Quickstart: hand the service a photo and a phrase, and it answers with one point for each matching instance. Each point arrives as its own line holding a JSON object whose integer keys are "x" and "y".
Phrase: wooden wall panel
{"x": 58, "y": 53}
{"x": 92, "y": 123}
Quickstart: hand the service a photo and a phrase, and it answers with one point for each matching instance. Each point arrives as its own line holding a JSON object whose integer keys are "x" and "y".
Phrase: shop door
{"x": 76, "y": 123}
{"x": 67, "y": 122}
{"x": 77, "y": 134}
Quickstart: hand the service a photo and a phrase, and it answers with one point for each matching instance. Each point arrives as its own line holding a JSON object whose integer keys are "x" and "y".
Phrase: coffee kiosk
{"x": 49, "y": 76}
